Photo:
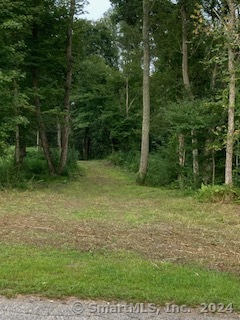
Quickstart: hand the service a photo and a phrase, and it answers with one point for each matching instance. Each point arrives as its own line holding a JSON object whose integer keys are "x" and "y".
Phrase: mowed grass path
{"x": 102, "y": 236}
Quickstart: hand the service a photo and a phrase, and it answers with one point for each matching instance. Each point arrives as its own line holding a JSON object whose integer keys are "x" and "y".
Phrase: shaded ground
{"x": 104, "y": 210}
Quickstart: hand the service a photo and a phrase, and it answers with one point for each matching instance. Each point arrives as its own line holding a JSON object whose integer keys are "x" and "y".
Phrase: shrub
{"x": 34, "y": 167}
{"x": 161, "y": 171}
{"x": 10, "y": 175}
{"x": 129, "y": 160}
{"x": 72, "y": 159}
{"x": 34, "y": 164}
{"x": 117, "y": 158}
{"x": 218, "y": 193}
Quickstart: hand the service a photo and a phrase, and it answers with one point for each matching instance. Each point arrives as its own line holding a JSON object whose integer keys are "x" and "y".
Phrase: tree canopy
{"x": 68, "y": 83}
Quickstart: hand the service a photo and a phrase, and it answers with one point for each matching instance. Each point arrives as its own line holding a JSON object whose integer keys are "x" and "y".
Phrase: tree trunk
{"x": 213, "y": 167}
{"x": 146, "y": 95}
{"x": 187, "y": 86}
{"x": 237, "y": 155}
{"x": 181, "y": 150}
{"x": 38, "y": 141}
{"x": 20, "y": 147}
{"x": 68, "y": 84}
{"x": 195, "y": 156}
{"x": 232, "y": 97}
{"x": 85, "y": 143}
{"x": 59, "y": 137}
{"x": 185, "y": 72}
{"x": 41, "y": 126}
{"x": 181, "y": 157}
{"x": 17, "y": 146}
{"x": 17, "y": 132}
{"x": 127, "y": 96}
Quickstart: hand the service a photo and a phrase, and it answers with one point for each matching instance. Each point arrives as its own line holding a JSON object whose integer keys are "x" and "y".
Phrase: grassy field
{"x": 103, "y": 237}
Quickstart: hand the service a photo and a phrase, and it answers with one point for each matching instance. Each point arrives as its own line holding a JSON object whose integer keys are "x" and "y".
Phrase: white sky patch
{"x": 96, "y": 9}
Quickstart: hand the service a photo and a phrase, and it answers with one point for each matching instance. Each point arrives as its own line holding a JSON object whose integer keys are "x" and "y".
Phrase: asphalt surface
{"x": 32, "y": 308}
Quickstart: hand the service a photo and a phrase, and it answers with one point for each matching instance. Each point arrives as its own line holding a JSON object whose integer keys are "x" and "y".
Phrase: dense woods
{"x": 153, "y": 86}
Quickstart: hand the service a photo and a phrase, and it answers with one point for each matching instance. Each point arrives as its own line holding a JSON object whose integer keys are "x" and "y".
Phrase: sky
{"x": 96, "y": 8}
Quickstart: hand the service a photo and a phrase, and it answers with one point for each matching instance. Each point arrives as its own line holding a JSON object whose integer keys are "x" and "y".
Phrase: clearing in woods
{"x": 102, "y": 236}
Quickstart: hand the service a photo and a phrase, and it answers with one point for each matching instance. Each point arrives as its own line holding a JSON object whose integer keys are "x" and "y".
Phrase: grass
{"x": 103, "y": 237}
{"x": 55, "y": 273}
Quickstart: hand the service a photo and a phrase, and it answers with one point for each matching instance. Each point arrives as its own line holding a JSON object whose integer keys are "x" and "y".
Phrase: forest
{"x": 152, "y": 86}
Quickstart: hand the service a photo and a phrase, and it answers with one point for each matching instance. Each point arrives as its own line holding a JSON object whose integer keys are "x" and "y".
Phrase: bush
{"x": 161, "y": 172}
{"x": 224, "y": 194}
{"x": 129, "y": 160}
{"x": 10, "y": 175}
{"x": 236, "y": 176}
{"x": 34, "y": 164}
{"x": 34, "y": 167}
{"x": 117, "y": 158}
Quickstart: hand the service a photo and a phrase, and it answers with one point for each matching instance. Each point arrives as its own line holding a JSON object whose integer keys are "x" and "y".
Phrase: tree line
{"x": 152, "y": 85}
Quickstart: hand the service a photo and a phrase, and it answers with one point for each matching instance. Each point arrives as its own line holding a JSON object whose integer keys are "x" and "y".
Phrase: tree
{"x": 186, "y": 82}
{"x": 100, "y": 123}
{"x": 14, "y": 20}
{"x": 224, "y": 26}
{"x": 38, "y": 42}
{"x": 231, "y": 38}
{"x": 50, "y": 63}
{"x": 68, "y": 84}
{"x": 146, "y": 94}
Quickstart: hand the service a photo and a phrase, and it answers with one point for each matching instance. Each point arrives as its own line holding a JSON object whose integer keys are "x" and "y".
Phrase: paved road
{"x": 32, "y": 308}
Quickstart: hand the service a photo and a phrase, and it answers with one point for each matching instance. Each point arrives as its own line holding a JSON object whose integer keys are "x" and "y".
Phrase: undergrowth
{"x": 161, "y": 171}
{"x": 218, "y": 193}
{"x": 33, "y": 168}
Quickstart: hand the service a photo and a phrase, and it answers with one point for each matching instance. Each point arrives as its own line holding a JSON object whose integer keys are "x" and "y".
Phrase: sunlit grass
{"x": 111, "y": 275}
{"x": 77, "y": 237}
